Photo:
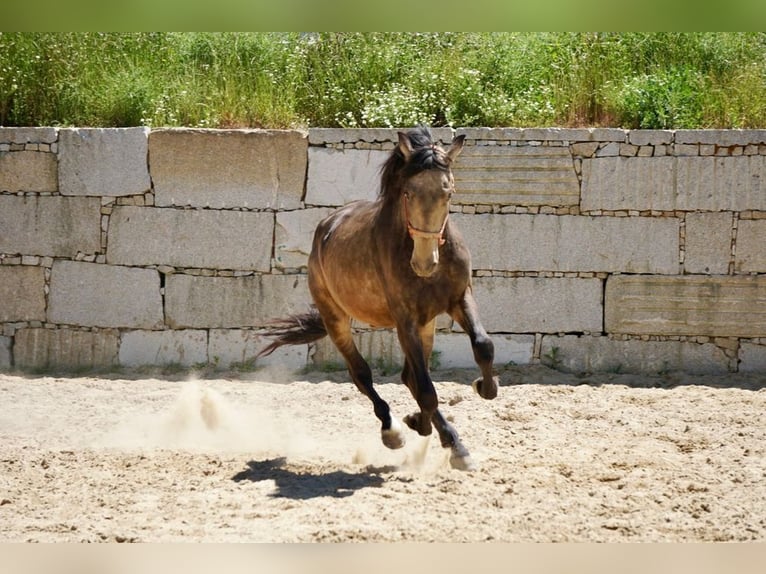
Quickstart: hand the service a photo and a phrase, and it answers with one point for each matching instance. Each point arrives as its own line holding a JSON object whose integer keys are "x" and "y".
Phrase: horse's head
{"x": 427, "y": 187}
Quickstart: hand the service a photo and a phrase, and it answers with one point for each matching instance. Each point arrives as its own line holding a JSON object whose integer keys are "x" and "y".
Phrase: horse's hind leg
{"x": 338, "y": 327}
{"x": 466, "y": 313}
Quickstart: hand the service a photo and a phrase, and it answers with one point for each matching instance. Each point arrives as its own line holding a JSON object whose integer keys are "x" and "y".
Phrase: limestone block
{"x": 65, "y": 348}
{"x": 218, "y": 302}
{"x": 254, "y": 169}
{"x": 337, "y": 177}
{"x": 186, "y": 348}
{"x": 640, "y": 183}
{"x": 210, "y": 239}
{"x": 557, "y": 134}
{"x": 708, "y": 243}
{"x": 233, "y": 347}
{"x": 723, "y": 138}
{"x": 28, "y": 135}
{"x": 103, "y": 161}
{"x": 721, "y": 183}
{"x": 318, "y": 136}
{"x": 517, "y": 242}
{"x": 721, "y": 306}
{"x": 674, "y": 183}
{"x": 91, "y": 294}
{"x": 22, "y": 293}
{"x": 752, "y": 358}
{"x": 454, "y": 350}
{"x": 491, "y": 134}
{"x": 751, "y": 246}
{"x": 585, "y": 354}
{"x": 650, "y": 137}
{"x": 527, "y": 175}
{"x": 5, "y": 353}
{"x": 539, "y": 305}
{"x": 52, "y": 225}
{"x": 294, "y": 235}
{"x": 28, "y": 171}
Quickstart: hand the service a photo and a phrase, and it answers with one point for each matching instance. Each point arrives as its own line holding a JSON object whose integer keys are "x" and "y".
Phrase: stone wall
{"x": 593, "y": 249}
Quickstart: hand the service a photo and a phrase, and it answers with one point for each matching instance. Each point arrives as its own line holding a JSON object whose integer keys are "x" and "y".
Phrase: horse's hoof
{"x": 415, "y": 422}
{"x": 484, "y": 390}
{"x": 462, "y": 462}
{"x": 393, "y": 437}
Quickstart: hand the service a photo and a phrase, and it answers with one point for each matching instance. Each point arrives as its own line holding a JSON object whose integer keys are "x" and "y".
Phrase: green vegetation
{"x": 630, "y": 80}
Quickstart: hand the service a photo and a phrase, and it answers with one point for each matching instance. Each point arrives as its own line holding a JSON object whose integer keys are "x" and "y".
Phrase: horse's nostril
{"x": 422, "y": 270}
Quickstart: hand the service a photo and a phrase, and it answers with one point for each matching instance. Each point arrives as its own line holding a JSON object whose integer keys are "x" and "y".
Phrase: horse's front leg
{"x": 466, "y": 313}
{"x": 422, "y": 389}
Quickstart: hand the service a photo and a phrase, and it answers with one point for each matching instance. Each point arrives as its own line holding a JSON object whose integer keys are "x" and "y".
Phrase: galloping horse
{"x": 397, "y": 262}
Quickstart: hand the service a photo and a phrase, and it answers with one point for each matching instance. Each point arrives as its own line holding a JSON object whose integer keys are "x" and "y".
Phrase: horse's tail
{"x": 297, "y": 329}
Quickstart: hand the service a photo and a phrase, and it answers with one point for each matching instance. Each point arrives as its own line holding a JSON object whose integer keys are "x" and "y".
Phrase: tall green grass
{"x": 631, "y": 80}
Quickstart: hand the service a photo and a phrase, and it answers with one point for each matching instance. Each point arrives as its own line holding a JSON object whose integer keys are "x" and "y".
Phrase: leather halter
{"x": 415, "y": 232}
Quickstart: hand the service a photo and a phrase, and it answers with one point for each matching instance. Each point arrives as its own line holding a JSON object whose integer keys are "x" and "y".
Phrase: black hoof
{"x": 416, "y": 423}
{"x": 486, "y": 390}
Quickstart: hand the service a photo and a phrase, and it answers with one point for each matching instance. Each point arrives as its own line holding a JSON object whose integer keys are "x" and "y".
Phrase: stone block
{"x": 65, "y": 348}
{"x": 237, "y": 347}
{"x": 638, "y": 183}
{"x": 294, "y": 235}
{"x": 31, "y": 171}
{"x": 539, "y": 305}
{"x": 608, "y": 134}
{"x": 254, "y": 169}
{"x": 454, "y": 350}
{"x": 318, "y": 136}
{"x": 557, "y": 134}
{"x": 196, "y": 238}
{"x": 721, "y": 183}
{"x": 91, "y": 294}
{"x": 751, "y": 243}
{"x": 585, "y": 354}
{"x": 708, "y": 243}
{"x": 6, "y": 357}
{"x": 674, "y": 183}
{"x": 720, "y": 306}
{"x": 222, "y": 302}
{"x": 492, "y": 134}
{"x": 650, "y": 137}
{"x": 527, "y": 175}
{"x": 103, "y": 161}
{"x": 723, "y": 138}
{"x": 752, "y": 358}
{"x": 337, "y": 177}
{"x": 517, "y": 242}
{"x": 22, "y": 293}
{"x": 186, "y": 348}
{"x": 28, "y": 135}
{"x": 51, "y": 225}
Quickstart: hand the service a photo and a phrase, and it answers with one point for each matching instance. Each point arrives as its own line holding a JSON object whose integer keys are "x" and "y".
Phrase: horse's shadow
{"x": 302, "y": 486}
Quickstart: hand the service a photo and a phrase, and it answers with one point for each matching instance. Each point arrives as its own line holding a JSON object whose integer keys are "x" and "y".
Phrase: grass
{"x": 282, "y": 80}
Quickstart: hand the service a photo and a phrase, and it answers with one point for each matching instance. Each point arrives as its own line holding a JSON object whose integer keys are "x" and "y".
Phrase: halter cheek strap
{"x": 415, "y": 232}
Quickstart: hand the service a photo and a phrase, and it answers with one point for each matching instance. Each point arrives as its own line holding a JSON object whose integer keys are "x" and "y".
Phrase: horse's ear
{"x": 456, "y": 147}
{"x": 405, "y": 145}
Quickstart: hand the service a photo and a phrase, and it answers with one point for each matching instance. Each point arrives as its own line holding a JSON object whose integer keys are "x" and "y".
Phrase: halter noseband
{"x": 415, "y": 232}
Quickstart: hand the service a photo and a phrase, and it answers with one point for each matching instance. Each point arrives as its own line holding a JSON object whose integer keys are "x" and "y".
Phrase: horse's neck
{"x": 391, "y": 216}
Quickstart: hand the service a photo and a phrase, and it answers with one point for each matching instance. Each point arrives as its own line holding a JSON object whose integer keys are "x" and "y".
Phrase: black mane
{"x": 426, "y": 154}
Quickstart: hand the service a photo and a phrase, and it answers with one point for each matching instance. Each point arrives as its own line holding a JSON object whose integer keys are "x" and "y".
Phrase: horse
{"x": 397, "y": 262}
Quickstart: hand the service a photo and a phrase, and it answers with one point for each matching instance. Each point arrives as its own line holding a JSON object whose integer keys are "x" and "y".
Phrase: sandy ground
{"x": 560, "y": 457}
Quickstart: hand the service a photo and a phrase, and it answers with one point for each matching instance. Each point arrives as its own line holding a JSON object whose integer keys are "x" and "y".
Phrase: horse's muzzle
{"x": 425, "y": 256}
